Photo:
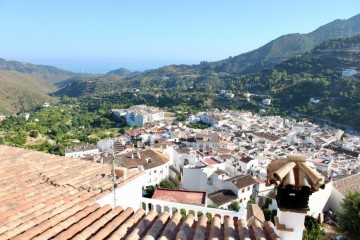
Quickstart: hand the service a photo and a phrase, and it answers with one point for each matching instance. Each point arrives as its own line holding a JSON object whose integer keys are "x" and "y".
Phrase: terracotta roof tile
{"x": 55, "y": 199}
{"x": 170, "y": 227}
{"x": 115, "y": 223}
{"x": 99, "y": 223}
{"x": 142, "y": 226}
{"x": 186, "y": 231}
{"x": 84, "y": 223}
{"x": 125, "y": 227}
{"x": 67, "y": 223}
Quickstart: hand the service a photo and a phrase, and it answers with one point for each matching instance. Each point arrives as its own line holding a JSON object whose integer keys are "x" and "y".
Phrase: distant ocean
{"x": 104, "y": 66}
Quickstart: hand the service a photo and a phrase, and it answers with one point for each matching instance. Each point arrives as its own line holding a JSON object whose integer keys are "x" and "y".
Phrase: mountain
{"x": 286, "y": 46}
{"x": 124, "y": 72}
{"x": 21, "y": 91}
{"x": 319, "y": 74}
{"x": 48, "y": 73}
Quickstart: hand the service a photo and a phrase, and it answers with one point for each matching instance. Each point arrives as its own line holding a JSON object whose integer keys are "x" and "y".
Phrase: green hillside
{"x": 21, "y": 91}
{"x": 48, "y": 73}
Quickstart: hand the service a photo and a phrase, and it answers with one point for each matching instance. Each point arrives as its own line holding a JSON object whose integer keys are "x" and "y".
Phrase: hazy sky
{"x": 103, "y": 35}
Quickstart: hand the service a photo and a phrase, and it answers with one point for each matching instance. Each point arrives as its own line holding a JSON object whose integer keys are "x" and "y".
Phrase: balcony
{"x": 160, "y": 206}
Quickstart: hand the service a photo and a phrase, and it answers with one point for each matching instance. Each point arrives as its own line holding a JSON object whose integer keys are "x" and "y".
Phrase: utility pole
{"x": 110, "y": 151}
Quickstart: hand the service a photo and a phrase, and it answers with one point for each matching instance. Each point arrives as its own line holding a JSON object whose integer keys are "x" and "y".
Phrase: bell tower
{"x": 295, "y": 179}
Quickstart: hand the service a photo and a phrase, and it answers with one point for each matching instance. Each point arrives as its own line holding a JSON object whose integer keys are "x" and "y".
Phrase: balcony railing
{"x": 172, "y": 207}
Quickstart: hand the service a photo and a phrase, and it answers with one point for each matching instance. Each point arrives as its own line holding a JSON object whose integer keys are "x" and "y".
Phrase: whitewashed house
{"x": 140, "y": 114}
{"x": 81, "y": 151}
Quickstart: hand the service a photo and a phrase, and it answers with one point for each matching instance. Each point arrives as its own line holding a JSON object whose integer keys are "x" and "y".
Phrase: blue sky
{"x": 104, "y": 35}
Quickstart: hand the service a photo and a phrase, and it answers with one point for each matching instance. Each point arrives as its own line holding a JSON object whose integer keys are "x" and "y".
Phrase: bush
{"x": 34, "y": 134}
{"x": 349, "y": 217}
{"x": 167, "y": 184}
{"x": 234, "y": 206}
{"x": 313, "y": 230}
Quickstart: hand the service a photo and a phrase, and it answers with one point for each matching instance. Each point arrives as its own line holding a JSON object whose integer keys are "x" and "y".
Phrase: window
{"x": 243, "y": 190}
{"x": 248, "y": 188}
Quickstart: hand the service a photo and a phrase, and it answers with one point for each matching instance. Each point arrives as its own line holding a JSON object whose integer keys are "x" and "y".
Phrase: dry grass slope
{"x": 20, "y": 91}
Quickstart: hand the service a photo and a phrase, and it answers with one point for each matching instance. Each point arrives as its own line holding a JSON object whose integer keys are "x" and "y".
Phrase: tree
{"x": 234, "y": 206}
{"x": 349, "y": 217}
{"x": 149, "y": 191}
{"x": 34, "y": 134}
{"x": 313, "y": 230}
{"x": 167, "y": 184}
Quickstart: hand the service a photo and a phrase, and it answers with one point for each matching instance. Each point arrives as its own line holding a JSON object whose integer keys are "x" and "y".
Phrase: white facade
{"x": 314, "y": 100}
{"x": 291, "y": 220}
{"x": 349, "y": 72}
{"x": 82, "y": 153}
{"x": 212, "y": 120}
{"x": 266, "y": 101}
{"x": 138, "y": 115}
{"x": 155, "y": 175}
{"x": 132, "y": 189}
{"x": 318, "y": 201}
{"x": 336, "y": 199}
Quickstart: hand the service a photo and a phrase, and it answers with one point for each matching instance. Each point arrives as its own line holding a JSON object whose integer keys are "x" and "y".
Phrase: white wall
{"x": 156, "y": 175}
{"x": 318, "y": 200}
{"x": 81, "y": 154}
{"x": 191, "y": 178}
{"x": 336, "y": 199}
{"x": 291, "y": 220}
{"x": 128, "y": 195}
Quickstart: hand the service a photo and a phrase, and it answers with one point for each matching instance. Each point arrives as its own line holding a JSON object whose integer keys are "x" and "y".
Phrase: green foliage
{"x": 62, "y": 124}
{"x": 34, "y": 134}
{"x": 251, "y": 201}
{"x": 234, "y": 206}
{"x": 349, "y": 217}
{"x": 212, "y": 206}
{"x": 149, "y": 191}
{"x": 167, "y": 184}
{"x": 313, "y": 229}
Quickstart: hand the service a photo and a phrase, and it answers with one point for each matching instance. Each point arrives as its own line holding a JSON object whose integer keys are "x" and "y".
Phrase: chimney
{"x": 121, "y": 172}
{"x": 132, "y": 156}
{"x": 297, "y": 179}
{"x": 138, "y": 155}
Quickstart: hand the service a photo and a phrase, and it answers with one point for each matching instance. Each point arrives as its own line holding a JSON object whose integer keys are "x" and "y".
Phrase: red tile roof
{"x": 48, "y": 197}
{"x": 180, "y": 196}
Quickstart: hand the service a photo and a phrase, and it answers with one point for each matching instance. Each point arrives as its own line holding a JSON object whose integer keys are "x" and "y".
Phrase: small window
{"x": 242, "y": 190}
{"x": 248, "y": 188}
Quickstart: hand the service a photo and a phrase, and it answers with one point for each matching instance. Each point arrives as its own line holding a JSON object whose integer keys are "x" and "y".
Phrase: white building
{"x": 140, "y": 114}
{"x": 229, "y": 95}
{"x": 154, "y": 163}
{"x": 81, "y": 151}
{"x": 241, "y": 164}
{"x": 349, "y": 72}
{"x": 341, "y": 188}
{"x": 314, "y": 100}
{"x": 266, "y": 101}
{"x": 25, "y": 115}
{"x": 212, "y": 119}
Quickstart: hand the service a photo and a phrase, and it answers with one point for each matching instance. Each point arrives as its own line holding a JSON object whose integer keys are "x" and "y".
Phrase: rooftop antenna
{"x": 111, "y": 152}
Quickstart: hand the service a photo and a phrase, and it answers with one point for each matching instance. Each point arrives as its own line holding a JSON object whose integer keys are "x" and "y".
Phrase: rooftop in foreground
{"x": 43, "y": 196}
